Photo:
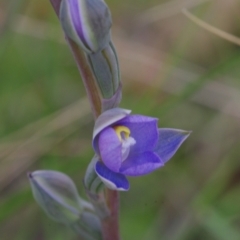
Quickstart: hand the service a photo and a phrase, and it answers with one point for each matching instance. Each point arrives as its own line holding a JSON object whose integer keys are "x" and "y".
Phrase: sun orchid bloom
{"x": 131, "y": 145}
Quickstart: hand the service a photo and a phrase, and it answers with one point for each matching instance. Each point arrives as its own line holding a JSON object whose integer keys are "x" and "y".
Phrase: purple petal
{"x": 169, "y": 142}
{"x": 110, "y": 148}
{"x": 106, "y": 119}
{"x": 112, "y": 180}
{"x": 141, "y": 164}
{"x": 144, "y": 130}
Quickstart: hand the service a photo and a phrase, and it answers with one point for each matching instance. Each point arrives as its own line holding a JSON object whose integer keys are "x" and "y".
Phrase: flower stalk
{"x": 84, "y": 69}
{"x": 110, "y": 223}
{"x": 110, "y": 226}
{"x": 87, "y": 77}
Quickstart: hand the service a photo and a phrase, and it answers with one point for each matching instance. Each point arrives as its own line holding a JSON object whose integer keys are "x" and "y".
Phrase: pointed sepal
{"x": 169, "y": 141}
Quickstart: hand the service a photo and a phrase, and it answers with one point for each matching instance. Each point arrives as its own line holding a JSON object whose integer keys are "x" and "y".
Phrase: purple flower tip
{"x": 131, "y": 145}
{"x": 87, "y": 22}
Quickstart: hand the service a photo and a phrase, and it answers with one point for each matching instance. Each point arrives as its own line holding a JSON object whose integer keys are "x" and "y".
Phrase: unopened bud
{"x": 87, "y": 22}
{"x": 92, "y": 182}
{"x": 106, "y": 70}
{"x": 56, "y": 193}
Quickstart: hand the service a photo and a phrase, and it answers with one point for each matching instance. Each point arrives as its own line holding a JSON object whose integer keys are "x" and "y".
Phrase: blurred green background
{"x": 171, "y": 69}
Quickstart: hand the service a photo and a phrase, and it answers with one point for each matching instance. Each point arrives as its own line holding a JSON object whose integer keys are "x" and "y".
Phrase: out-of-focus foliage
{"x": 171, "y": 69}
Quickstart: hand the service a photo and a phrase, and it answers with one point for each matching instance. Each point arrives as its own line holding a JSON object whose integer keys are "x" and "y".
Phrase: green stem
{"x": 87, "y": 78}
{"x": 110, "y": 224}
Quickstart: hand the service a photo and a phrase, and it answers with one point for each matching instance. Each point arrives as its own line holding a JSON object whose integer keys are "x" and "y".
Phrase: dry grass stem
{"x": 166, "y": 10}
{"x": 218, "y": 32}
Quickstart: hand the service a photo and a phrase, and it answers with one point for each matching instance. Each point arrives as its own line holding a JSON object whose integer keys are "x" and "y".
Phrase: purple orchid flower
{"x": 131, "y": 145}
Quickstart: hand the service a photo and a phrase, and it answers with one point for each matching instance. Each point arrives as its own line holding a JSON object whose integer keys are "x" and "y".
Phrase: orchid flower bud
{"x": 87, "y": 22}
{"x": 94, "y": 186}
{"x": 56, "y": 193}
{"x": 105, "y": 67}
{"x": 92, "y": 182}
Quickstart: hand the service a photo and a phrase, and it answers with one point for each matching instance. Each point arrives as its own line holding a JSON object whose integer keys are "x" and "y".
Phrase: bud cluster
{"x": 88, "y": 23}
{"x": 57, "y": 195}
